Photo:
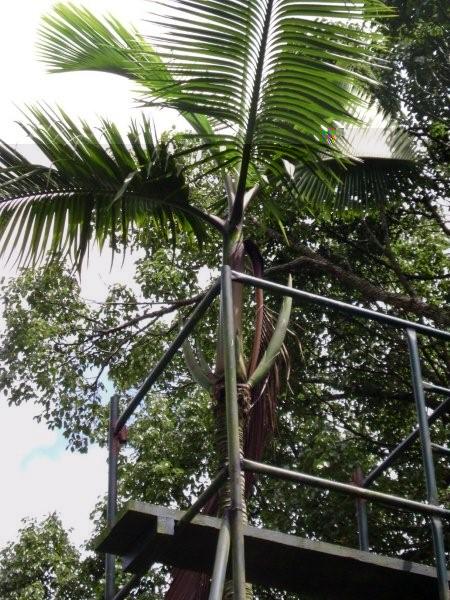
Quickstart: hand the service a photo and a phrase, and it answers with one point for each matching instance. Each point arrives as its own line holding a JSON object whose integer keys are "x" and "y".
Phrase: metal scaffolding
{"x": 231, "y": 536}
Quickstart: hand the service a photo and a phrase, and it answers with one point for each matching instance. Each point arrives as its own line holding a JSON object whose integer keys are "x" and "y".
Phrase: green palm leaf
{"x": 98, "y": 186}
{"x": 379, "y": 163}
{"x": 273, "y": 73}
{"x": 73, "y": 39}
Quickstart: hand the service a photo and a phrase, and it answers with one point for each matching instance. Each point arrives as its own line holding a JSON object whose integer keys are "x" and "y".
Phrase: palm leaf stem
{"x": 215, "y": 221}
{"x": 238, "y": 206}
{"x": 276, "y": 342}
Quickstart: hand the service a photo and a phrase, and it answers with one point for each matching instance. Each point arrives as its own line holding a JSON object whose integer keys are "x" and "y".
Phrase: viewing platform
{"x": 144, "y": 534}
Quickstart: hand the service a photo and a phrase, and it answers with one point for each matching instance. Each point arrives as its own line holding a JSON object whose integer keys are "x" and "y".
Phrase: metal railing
{"x": 231, "y": 535}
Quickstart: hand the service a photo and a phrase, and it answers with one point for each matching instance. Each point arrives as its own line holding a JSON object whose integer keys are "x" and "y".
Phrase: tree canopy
{"x": 344, "y": 407}
{"x": 43, "y": 565}
{"x": 348, "y": 400}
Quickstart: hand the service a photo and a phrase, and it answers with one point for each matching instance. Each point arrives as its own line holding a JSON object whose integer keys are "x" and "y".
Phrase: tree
{"x": 336, "y": 415}
{"x": 415, "y": 88}
{"x": 415, "y": 92}
{"x": 277, "y": 78}
{"x": 43, "y": 565}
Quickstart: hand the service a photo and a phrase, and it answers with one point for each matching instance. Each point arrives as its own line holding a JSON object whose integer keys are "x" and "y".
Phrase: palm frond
{"x": 74, "y": 39}
{"x": 272, "y": 72}
{"x": 380, "y": 161}
{"x": 97, "y": 186}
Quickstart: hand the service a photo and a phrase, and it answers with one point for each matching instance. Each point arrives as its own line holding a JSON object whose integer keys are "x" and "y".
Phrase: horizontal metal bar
{"x": 440, "y": 449}
{"x": 213, "y": 487}
{"x": 404, "y": 445}
{"x": 430, "y": 387}
{"x": 195, "y": 316}
{"x": 340, "y": 306}
{"x": 128, "y": 587}
{"x": 346, "y": 488}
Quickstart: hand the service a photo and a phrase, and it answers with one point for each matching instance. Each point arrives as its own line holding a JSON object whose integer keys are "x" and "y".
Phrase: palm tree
{"x": 260, "y": 83}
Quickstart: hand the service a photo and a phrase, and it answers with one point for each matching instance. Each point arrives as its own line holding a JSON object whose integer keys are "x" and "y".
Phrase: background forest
{"x": 348, "y": 400}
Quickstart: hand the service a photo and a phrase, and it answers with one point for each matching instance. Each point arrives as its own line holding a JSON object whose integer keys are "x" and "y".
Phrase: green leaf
{"x": 73, "y": 39}
{"x": 98, "y": 187}
{"x": 273, "y": 72}
{"x": 199, "y": 374}
{"x": 379, "y": 163}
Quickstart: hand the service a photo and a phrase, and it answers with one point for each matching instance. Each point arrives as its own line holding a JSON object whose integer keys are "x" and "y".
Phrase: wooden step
{"x": 143, "y": 534}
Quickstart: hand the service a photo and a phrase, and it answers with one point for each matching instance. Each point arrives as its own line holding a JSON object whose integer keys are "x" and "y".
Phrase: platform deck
{"x": 143, "y": 534}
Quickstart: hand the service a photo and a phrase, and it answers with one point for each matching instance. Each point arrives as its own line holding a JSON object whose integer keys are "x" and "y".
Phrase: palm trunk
{"x": 243, "y": 400}
{"x": 237, "y": 429}
{"x": 250, "y": 389}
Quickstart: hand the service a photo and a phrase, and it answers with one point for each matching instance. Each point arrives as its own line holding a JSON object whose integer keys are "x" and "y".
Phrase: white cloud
{"x": 25, "y": 80}
{"x": 39, "y": 477}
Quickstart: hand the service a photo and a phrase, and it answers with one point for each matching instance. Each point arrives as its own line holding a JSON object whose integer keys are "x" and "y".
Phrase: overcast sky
{"x": 39, "y": 476}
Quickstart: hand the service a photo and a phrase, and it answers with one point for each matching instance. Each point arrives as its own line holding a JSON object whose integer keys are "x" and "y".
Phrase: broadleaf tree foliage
{"x": 255, "y": 181}
{"x": 43, "y": 564}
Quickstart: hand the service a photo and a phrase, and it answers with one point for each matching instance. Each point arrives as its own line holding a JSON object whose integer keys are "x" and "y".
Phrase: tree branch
{"x": 435, "y": 214}
{"x": 310, "y": 259}
{"x": 152, "y": 314}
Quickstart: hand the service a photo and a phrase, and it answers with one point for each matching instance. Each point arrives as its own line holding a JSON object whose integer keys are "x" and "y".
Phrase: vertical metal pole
{"x": 428, "y": 464}
{"x": 221, "y": 561}
{"x": 111, "y": 508}
{"x": 234, "y": 447}
{"x": 361, "y": 512}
